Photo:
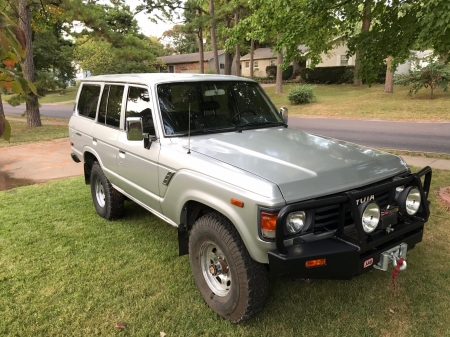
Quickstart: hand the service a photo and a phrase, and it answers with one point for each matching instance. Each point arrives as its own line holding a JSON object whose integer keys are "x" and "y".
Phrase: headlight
{"x": 295, "y": 222}
{"x": 370, "y": 217}
{"x": 413, "y": 200}
{"x": 409, "y": 200}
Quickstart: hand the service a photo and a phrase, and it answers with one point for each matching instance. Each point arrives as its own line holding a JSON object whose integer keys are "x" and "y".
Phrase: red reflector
{"x": 236, "y": 202}
{"x": 71, "y": 144}
{"x": 316, "y": 263}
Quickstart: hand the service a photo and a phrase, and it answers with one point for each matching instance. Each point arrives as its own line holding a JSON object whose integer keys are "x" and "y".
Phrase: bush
{"x": 271, "y": 71}
{"x": 301, "y": 95}
{"x": 288, "y": 72}
{"x": 328, "y": 75}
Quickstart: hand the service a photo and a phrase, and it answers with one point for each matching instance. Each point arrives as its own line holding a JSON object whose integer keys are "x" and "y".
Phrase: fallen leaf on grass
{"x": 120, "y": 326}
{"x": 391, "y": 311}
{"x": 162, "y": 334}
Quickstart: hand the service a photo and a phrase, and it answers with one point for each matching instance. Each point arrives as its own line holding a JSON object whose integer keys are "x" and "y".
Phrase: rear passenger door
{"x": 138, "y": 166}
{"x": 82, "y": 122}
{"x": 106, "y": 129}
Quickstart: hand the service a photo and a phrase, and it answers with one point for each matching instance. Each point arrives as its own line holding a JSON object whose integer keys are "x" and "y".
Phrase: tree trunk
{"x": 389, "y": 82}
{"x": 279, "y": 80}
{"x": 238, "y": 47}
{"x": 32, "y": 105}
{"x": 200, "y": 46}
{"x": 252, "y": 61}
{"x": 366, "y": 21}
{"x": 213, "y": 37}
{"x": 2, "y": 112}
{"x": 228, "y": 56}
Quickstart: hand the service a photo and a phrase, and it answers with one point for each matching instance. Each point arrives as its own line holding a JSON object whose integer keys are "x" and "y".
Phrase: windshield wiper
{"x": 259, "y": 124}
{"x": 205, "y": 131}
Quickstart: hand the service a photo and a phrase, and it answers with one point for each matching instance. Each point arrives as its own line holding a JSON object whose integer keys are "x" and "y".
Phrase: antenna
{"x": 189, "y": 131}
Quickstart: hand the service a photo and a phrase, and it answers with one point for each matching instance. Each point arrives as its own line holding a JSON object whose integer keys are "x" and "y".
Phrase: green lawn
{"x": 346, "y": 101}
{"x": 55, "y": 96}
{"x": 21, "y": 133}
{"x": 64, "y": 271}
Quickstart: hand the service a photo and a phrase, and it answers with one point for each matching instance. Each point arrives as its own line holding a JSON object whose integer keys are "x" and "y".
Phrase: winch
{"x": 392, "y": 255}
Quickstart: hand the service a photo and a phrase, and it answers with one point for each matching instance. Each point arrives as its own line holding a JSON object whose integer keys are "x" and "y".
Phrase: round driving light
{"x": 413, "y": 200}
{"x": 370, "y": 217}
{"x": 295, "y": 222}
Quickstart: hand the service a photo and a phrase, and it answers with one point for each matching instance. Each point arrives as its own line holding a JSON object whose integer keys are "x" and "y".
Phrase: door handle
{"x": 78, "y": 134}
{"x": 121, "y": 154}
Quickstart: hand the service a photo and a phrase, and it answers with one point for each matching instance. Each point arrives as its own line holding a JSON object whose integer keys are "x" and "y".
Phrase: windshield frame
{"x": 232, "y": 127}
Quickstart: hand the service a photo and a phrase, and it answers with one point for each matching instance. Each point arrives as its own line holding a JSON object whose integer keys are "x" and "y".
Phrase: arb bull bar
{"x": 347, "y": 256}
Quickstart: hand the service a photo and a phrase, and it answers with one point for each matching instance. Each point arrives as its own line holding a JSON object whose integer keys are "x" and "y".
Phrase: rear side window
{"x": 111, "y": 105}
{"x": 88, "y": 100}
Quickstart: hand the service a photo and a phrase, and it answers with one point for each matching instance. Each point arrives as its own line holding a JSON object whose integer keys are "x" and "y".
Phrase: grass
{"x": 21, "y": 133}
{"x": 56, "y": 96}
{"x": 66, "y": 271}
{"x": 346, "y": 101}
{"x": 418, "y": 154}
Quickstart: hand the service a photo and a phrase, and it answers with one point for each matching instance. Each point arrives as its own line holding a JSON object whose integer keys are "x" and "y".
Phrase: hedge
{"x": 335, "y": 75}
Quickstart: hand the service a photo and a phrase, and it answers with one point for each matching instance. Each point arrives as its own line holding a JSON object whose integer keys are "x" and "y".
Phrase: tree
{"x": 12, "y": 53}
{"x": 182, "y": 39}
{"x": 32, "y": 104}
{"x": 426, "y": 73}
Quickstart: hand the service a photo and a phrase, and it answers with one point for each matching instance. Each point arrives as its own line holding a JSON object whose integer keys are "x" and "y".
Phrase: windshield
{"x": 214, "y": 107}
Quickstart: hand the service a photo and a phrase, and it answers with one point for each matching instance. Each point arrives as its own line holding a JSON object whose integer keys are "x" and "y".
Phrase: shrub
{"x": 328, "y": 75}
{"x": 271, "y": 71}
{"x": 288, "y": 72}
{"x": 301, "y": 95}
{"x": 426, "y": 73}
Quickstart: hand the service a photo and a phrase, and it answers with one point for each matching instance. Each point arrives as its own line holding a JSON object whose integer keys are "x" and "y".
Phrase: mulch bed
{"x": 444, "y": 194}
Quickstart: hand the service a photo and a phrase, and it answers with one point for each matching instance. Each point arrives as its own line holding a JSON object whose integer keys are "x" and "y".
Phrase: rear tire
{"x": 108, "y": 202}
{"x": 233, "y": 284}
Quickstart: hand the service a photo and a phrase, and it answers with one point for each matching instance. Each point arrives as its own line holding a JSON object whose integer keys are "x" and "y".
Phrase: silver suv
{"x": 213, "y": 157}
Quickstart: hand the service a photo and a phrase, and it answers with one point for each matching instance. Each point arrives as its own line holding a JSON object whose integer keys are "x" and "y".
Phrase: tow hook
{"x": 393, "y": 254}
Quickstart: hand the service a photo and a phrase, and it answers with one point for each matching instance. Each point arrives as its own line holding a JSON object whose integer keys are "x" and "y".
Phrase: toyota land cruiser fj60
{"x": 249, "y": 195}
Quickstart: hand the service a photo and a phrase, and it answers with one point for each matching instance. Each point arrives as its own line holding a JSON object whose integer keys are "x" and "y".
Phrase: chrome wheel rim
{"x": 99, "y": 192}
{"x": 215, "y": 269}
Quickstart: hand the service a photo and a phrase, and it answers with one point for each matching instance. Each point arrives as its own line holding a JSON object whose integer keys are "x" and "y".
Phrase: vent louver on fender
{"x": 169, "y": 176}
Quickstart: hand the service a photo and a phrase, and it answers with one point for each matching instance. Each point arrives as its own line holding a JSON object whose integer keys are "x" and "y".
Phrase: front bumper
{"x": 347, "y": 256}
{"x": 344, "y": 261}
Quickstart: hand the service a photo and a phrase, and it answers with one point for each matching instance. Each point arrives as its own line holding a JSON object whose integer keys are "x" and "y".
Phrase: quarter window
{"x": 88, "y": 100}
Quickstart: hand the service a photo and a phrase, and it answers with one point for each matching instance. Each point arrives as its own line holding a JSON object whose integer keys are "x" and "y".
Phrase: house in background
{"x": 263, "y": 57}
{"x": 190, "y": 63}
{"x": 338, "y": 57}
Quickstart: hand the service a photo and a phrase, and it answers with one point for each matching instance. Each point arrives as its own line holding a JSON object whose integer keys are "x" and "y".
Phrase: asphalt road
{"x": 413, "y": 136}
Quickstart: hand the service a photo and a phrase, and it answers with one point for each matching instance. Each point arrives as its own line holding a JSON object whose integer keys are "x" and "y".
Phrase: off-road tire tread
{"x": 114, "y": 200}
{"x": 253, "y": 277}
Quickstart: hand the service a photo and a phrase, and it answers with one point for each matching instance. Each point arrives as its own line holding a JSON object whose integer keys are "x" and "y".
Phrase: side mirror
{"x": 284, "y": 113}
{"x": 134, "y": 128}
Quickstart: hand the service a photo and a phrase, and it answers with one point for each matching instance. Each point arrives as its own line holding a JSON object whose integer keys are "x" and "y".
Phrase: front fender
{"x": 187, "y": 185}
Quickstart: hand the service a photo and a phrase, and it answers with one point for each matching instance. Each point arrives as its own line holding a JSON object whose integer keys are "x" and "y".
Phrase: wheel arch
{"x": 89, "y": 159}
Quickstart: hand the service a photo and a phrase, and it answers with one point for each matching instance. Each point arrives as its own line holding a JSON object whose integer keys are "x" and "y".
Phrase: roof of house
{"x": 188, "y": 58}
{"x": 267, "y": 53}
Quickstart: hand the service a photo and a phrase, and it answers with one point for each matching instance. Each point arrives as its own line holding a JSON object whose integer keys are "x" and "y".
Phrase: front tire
{"x": 233, "y": 284}
{"x": 108, "y": 202}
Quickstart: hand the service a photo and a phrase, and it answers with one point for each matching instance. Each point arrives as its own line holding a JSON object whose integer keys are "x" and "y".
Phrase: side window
{"x": 111, "y": 105}
{"x": 88, "y": 100}
{"x": 138, "y": 105}
{"x": 114, "y": 105}
{"x": 103, "y": 102}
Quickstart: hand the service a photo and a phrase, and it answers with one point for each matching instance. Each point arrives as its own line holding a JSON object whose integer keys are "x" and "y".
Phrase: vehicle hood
{"x": 301, "y": 164}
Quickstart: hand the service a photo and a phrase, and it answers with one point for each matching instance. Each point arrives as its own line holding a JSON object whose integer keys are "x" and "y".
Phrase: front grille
{"x": 326, "y": 218}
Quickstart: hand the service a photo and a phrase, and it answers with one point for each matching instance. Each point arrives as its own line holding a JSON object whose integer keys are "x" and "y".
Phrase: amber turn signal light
{"x": 316, "y": 263}
{"x": 236, "y": 202}
{"x": 268, "y": 224}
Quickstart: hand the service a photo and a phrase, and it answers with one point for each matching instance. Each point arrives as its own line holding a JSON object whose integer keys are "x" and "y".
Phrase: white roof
{"x": 145, "y": 78}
